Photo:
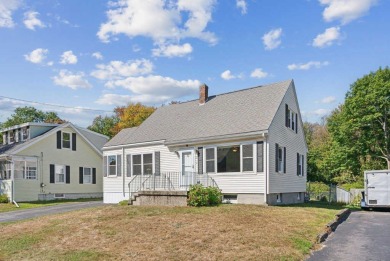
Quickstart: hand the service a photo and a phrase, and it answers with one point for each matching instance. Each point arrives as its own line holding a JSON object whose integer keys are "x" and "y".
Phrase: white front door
{"x": 187, "y": 168}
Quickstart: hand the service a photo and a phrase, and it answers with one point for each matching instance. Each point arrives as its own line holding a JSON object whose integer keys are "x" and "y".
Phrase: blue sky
{"x": 101, "y": 54}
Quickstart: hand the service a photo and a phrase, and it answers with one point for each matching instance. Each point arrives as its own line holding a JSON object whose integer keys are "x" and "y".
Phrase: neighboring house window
{"x": 210, "y": 160}
{"x": 25, "y": 170}
{"x": 143, "y": 164}
{"x": 25, "y": 133}
{"x": 280, "y": 159}
{"x": 31, "y": 170}
{"x": 112, "y": 165}
{"x": 87, "y": 176}
{"x": 59, "y": 174}
{"x": 11, "y": 137}
{"x": 300, "y": 164}
{"x": 66, "y": 140}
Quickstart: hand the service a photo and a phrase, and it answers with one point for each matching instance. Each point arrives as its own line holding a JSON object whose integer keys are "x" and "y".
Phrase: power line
{"x": 55, "y": 105}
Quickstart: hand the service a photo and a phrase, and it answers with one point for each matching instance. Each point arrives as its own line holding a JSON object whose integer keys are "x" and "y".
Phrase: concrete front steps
{"x": 159, "y": 198}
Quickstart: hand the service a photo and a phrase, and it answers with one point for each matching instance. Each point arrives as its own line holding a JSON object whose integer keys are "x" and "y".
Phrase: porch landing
{"x": 173, "y": 198}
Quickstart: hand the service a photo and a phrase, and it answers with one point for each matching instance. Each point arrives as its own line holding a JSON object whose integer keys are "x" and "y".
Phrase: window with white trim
{"x": 60, "y": 174}
{"x": 25, "y": 169}
{"x": 87, "y": 176}
{"x": 291, "y": 118}
{"x": 25, "y": 133}
{"x": 31, "y": 170}
{"x": 230, "y": 158}
{"x": 300, "y": 164}
{"x": 11, "y": 136}
{"x": 66, "y": 140}
{"x": 281, "y": 159}
{"x": 142, "y": 164}
{"x": 210, "y": 160}
{"x": 112, "y": 165}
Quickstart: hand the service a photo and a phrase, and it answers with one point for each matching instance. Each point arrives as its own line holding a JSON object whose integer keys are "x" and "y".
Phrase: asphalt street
{"x": 42, "y": 211}
{"x": 365, "y": 235}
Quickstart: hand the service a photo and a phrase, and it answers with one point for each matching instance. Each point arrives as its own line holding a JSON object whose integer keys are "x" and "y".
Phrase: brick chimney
{"x": 203, "y": 94}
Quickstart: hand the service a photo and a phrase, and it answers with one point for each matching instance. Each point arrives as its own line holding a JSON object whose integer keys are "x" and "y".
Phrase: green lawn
{"x": 114, "y": 232}
{"x": 6, "y": 207}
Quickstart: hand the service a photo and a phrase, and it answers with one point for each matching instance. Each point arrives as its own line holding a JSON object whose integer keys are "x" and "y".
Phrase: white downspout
{"x": 123, "y": 172}
{"x": 266, "y": 168}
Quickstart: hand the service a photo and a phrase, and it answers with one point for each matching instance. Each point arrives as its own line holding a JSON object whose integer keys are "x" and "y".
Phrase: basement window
{"x": 59, "y": 195}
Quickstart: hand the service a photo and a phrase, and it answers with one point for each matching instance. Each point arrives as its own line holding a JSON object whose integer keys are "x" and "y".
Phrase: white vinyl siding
{"x": 294, "y": 143}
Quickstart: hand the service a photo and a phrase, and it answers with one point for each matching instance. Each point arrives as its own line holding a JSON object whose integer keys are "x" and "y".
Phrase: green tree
{"x": 31, "y": 114}
{"x": 104, "y": 125}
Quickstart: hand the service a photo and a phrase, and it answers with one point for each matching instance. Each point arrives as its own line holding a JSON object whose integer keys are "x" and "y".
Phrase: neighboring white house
{"x": 250, "y": 142}
{"x": 40, "y": 161}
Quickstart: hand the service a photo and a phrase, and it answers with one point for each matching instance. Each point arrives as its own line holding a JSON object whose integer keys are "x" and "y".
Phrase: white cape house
{"x": 41, "y": 161}
{"x": 250, "y": 143}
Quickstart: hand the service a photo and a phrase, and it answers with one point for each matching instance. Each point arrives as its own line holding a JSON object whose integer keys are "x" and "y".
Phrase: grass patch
{"x": 6, "y": 207}
{"x": 226, "y": 232}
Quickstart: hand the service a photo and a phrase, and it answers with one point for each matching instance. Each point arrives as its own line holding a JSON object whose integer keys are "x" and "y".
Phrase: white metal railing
{"x": 169, "y": 181}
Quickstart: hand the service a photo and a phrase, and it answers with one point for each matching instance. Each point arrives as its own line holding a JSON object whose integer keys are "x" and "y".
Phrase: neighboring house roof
{"x": 239, "y": 112}
{"x": 96, "y": 140}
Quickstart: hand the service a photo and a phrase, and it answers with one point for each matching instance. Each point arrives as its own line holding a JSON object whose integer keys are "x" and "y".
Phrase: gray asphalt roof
{"x": 236, "y": 112}
{"x": 96, "y": 139}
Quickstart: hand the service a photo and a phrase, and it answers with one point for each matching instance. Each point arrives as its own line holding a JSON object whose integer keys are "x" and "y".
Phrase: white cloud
{"x": 321, "y": 112}
{"x": 172, "y": 50}
{"x": 7, "y": 7}
{"x": 307, "y": 66}
{"x": 68, "y": 58}
{"x": 271, "y": 40}
{"x": 151, "y": 89}
{"x": 327, "y": 38}
{"x": 37, "y": 56}
{"x": 71, "y": 80}
{"x": 118, "y": 69}
{"x": 31, "y": 20}
{"x": 176, "y": 20}
{"x": 97, "y": 56}
{"x": 241, "y": 4}
{"x": 227, "y": 75}
{"x": 345, "y": 10}
{"x": 329, "y": 99}
{"x": 258, "y": 73}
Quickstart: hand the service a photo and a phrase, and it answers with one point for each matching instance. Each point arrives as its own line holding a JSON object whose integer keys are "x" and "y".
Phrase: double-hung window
{"x": 112, "y": 165}
{"x": 291, "y": 119}
{"x": 31, "y": 170}
{"x": 247, "y": 157}
{"x": 59, "y": 174}
{"x": 66, "y": 140}
{"x": 142, "y": 164}
{"x": 300, "y": 164}
{"x": 210, "y": 160}
{"x": 280, "y": 159}
{"x": 87, "y": 176}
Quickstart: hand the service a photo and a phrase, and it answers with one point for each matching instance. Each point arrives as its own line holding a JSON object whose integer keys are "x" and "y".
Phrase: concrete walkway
{"x": 43, "y": 211}
{"x": 365, "y": 235}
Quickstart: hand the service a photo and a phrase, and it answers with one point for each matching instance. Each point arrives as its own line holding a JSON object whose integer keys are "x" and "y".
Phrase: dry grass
{"x": 228, "y": 232}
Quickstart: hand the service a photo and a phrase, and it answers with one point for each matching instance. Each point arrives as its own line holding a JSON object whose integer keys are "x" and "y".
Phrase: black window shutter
{"x": 52, "y": 174}
{"x": 296, "y": 123}
{"x": 303, "y": 165}
{"x": 298, "y": 169}
{"x": 74, "y": 141}
{"x": 81, "y": 175}
{"x": 119, "y": 165}
{"x": 67, "y": 174}
{"x": 157, "y": 162}
{"x": 59, "y": 139}
{"x": 285, "y": 159}
{"x": 105, "y": 166}
{"x": 93, "y": 175}
{"x": 260, "y": 146}
{"x": 286, "y": 117}
{"x": 276, "y": 157}
{"x": 200, "y": 160}
{"x": 128, "y": 164}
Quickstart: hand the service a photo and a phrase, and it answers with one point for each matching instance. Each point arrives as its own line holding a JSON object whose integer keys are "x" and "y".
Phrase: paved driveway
{"x": 42, "y": 211}
{"x": 365, "y": 235}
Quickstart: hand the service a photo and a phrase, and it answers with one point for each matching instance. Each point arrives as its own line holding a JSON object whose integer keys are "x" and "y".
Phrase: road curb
{"x": 330, "y": 227}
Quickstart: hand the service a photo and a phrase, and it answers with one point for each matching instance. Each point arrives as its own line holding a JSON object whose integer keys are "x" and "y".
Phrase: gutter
{"x": 238, "y": 136}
